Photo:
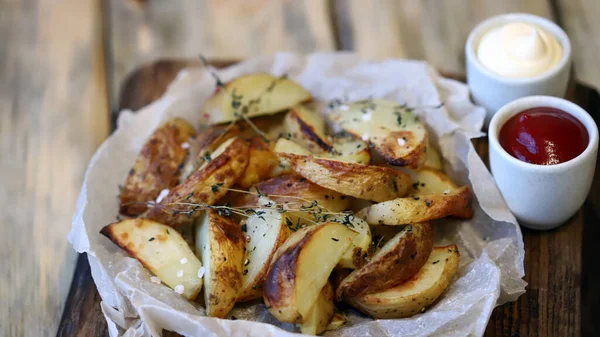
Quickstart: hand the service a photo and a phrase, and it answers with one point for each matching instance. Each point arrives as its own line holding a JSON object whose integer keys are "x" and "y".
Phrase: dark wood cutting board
{"x": 562, "y": 294}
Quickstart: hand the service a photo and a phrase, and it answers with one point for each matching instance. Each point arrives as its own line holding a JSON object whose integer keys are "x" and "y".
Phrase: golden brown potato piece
{"x": 307, "y": 128}
{"x": 261, "y": 163}
{"x": 361, "y": 181}
{"x": 157, "y": 167}
{"x": 433, "y": 159}
{"x": 321, "y": 313}
{"x": 265, "y": 232}
{"x": 350, "y": 149}
{"x": 162, "y": 250}
{"x": 204, "y": 144}
{"x": 220, "y": 243}
{"x": 207, "y": 185}
{"x": 391, "y": 129}
{"x": 431, "y": 181}
{"x": 294, "y": 280}
{"x": 253, "y": 95}
{"x": 337, "y": 322}
{"x": 358, "y": 252}
{"x": 294, "y": 191}
{"x": 415, "y": 209}
{"x": 398, "y": 260}
{"x": 415, "y": 294}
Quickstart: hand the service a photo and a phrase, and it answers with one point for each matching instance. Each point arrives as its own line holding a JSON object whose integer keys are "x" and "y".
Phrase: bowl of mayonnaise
{"x": 516, "y": 55}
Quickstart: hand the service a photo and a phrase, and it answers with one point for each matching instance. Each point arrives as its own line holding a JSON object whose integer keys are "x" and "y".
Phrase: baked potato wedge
{"x": 204, "y": 187}
{"x": 433, "y": 159}
{"x": 265, "y": 232}
{"x": 307, "y": 128}
{"x": 361, "y": 181}
{"x": 415, "y": 294}
{"x": 253, "y": 95}
{"x": 420, "y": 208}
{"x": 162, "y": 250}
{"x": 391, "y": 129}
{"x": 204, "y": 144}
{"x": 431, "y": 181}
{"x": 398, "y": 260}
{"x": 350, "y": 149}
{"x": 321, "y": 313}
{"x": 358, "y": 253}
{"x": 337, "y": 322}
{"x": 220, "y": 244}
{"x": 261, "y": 162}
{"x": 294, "y": 280}
{"x": 157, "y": 167}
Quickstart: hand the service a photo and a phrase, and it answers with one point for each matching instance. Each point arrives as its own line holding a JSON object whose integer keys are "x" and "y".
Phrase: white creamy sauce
{"x": 519, "y": 50}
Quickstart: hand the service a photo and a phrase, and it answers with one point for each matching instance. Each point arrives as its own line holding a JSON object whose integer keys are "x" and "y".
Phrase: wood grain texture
{"x": 53, "y": 115}
{"x": 144, "y": 32}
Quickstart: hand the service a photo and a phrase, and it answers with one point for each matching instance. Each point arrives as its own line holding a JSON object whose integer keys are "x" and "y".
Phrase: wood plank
{"x": 579, "y": 18}
{"x": 432, "y": 30}
{"x": 143, "y": 32}
{"x": 53, "y": 107}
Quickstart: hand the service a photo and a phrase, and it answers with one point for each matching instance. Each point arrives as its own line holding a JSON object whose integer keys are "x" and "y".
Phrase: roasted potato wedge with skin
{"x": 294, "y": 280}
{"x": 261, "y": 162}
{"x": 307, "y": 128}
{"x": 391, "y": 129}
{"x": 456, "y": 203}
{"x": 266, "y": 231}
{"x": 220, "y": 243}
{"x": 321, "y": 313}
{"x": 162, "y": 250}
{"x": 358, "y": 252}
{"x": 398, "y": 260}
{"x": 157, "y": 167}
{"x": 337, "y": 322}
{"x": 350, "y": 149}
{"x": 207, "y": 185}
{"x": 416, "y": 293}
{"x": 202, "y": 146}
{"x": 430, "y": 181}
{"x": 361, "y": 181}
{"x": 253, "y": 95}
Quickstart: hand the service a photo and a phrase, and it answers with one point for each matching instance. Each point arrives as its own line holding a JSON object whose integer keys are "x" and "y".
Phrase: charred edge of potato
{"x": 261, "y": 163}
{"x": 226, "y": 243}
{"x": 391, "y": 266}
{"x": 420, "y": 208}
{"x": 207, "y": 185}
{"x": 386, "y": 146}
{"x": 157, "y": 167}
{"x": 369, "y": 182}
{"x": 415, "y": 294}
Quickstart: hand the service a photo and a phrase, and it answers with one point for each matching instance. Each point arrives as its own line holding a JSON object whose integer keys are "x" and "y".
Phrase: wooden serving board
{"x": 562, "y": 292}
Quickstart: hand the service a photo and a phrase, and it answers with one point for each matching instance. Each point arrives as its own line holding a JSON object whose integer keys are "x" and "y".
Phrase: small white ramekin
{"x": 542, "y": 196}
{"x": 492, "y": 91}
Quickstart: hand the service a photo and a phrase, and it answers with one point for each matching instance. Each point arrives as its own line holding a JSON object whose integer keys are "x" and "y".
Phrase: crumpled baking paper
{"x": 491, "y": 243}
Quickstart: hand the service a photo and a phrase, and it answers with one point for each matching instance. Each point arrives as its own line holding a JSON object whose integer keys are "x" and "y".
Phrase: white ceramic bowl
{"x": 542, "y": 196}
{"x": 492, "y": 91}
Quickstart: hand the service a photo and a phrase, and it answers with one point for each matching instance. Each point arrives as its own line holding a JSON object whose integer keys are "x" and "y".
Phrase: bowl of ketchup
{"x": 543, "y": 153}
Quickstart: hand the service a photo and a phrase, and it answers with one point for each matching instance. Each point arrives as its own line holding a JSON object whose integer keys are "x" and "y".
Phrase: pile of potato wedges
{"x": 265, "y": 203}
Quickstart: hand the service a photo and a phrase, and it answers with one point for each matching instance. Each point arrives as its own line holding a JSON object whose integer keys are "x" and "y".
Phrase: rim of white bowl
{"x": 524, "y": 103}
{"x": 498, "y": 20}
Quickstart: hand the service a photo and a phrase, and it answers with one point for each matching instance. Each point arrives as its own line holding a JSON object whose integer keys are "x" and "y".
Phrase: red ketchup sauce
{"x": 544, "y": 136}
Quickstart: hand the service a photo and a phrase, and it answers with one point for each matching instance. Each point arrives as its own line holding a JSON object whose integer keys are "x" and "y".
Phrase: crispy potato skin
{"x": 205, "y": 186}
{"x": 361, "y": 181}
{"x": 206, "y": 142}
{"x": 261, "y": 162}
{"x": 406, "y": 299}
{"x": 311, "y": 136}
{"x": 388, "y": 149}
{"x": 227, "y": 248}
{"x": 420, "y": 208}
{"x": 158, "y": 166}
{"x": 392, "y": 267}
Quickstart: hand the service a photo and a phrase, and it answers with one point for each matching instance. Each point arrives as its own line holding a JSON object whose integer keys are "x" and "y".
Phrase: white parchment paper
{"x": 491, "y": 244}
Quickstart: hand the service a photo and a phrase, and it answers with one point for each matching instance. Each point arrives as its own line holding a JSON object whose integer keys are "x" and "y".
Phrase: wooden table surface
{"x": 62, "y": 63}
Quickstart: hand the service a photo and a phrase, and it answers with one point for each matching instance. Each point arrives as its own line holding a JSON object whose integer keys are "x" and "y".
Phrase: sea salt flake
{"x": 401, "y": 142}
{"x": 183, "y": 261}
{"x": 185, "y": 145}
{"x": 162, "y": 195}
{"x": 179, "y": 289}
{"x": 200, "y": 272}
{"x": 180, "y": 273}
{"x": 367, "y": 116}
{"x": 365, "y": 137}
